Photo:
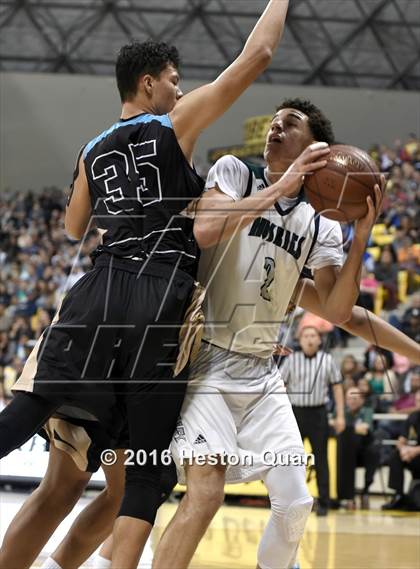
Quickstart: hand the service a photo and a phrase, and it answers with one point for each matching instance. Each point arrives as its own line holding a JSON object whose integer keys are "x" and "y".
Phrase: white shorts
{"x": 236, "y": 409}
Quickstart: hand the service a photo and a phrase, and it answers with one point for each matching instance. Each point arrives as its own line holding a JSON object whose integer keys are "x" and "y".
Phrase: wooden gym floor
{"x": 362, "y": 540}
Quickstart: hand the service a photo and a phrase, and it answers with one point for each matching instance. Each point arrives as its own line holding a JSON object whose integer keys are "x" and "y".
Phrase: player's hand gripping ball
{"x": 339, "y": 191}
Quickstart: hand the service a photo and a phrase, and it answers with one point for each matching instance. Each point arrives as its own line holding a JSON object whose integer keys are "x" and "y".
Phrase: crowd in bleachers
{"x": 38, "y": 263}
{"x": 377, "y": 399}
{"x": 393, "y": 258}
{"x": 386, "y": 382}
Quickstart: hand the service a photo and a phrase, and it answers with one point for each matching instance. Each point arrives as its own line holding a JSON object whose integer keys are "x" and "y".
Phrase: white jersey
{"x": 251, "y": 277}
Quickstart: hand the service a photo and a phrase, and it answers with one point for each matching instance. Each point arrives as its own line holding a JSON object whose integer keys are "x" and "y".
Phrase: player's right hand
{"x": 313, "y": 158}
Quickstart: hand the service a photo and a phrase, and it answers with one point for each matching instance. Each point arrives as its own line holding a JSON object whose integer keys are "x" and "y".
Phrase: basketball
{"x": 339, "y": 190}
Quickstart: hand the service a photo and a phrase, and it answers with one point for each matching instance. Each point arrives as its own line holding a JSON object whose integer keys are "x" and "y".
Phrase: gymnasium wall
{"x": 44, "y": 119}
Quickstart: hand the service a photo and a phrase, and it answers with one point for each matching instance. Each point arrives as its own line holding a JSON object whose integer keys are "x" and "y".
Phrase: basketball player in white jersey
{"x": 236, "y": 422}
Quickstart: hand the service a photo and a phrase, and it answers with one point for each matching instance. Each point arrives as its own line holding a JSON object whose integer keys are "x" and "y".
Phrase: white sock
{"x": 101, "y": 563}
{"x": 50, "y": 564}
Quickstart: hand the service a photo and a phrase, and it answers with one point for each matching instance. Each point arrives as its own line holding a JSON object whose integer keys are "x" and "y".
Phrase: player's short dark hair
{"x": 320, "y": 126}
{"x": 136, "y": 59}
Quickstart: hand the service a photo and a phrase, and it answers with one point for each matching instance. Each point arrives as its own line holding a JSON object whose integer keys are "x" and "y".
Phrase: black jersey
{"x": 139, "y": 183}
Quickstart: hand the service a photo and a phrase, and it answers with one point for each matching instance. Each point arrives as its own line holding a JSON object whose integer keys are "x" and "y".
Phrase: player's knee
{"x": 142, "y": 493}
{"x": 296, "y": 516}
{"x": 114, "y": 489}
{"x": 69, "y": 495}
{"x": 207, "y": 497}
{"x": 114, "y": 494}
{"x": 115, "y": 479}
{"x": 63, "y": 496}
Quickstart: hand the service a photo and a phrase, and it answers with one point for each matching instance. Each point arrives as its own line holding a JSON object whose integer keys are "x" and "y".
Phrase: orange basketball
{"x": 339, "y": 190}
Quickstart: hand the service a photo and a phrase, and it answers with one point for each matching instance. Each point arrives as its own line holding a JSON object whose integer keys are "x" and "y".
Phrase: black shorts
{"x": 82, "y": 439}
{"x": 114, "y": 341}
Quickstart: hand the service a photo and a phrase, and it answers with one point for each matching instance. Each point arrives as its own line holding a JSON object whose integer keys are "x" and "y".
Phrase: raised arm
{"x": 362, "y": 323}
{"x": 198, "y": 109}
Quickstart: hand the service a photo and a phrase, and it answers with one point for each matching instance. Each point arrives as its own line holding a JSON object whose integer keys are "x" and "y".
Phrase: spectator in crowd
{"x": 406, "y": 403}
{"x": 6, "y": 319}
{"x": 308, "y": 375}
{"x": 365, "y": 389}
{"x": 411, "y": 323}
{"x": 356, "y": 447}
{"x": 350, "y": 371}
{"x": 371, "y": 354}
{"x": 386, "y": 273}
{"x": 368, "y": 287}
{"x": 404, "y": 238}
{"x": 383, "y": 384}
{"x": 405, "y": 456}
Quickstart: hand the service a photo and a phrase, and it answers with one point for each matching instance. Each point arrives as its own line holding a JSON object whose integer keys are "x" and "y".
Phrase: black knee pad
{"x": 143, "y": 493}
{"x": 168, "y": 480}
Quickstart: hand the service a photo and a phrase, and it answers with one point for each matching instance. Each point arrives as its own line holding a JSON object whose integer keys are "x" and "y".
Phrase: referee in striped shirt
{"x": 308, "y": 375}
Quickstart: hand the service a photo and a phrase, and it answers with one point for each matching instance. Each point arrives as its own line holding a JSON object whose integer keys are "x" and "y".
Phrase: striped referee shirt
{"x": 307, "y": 378}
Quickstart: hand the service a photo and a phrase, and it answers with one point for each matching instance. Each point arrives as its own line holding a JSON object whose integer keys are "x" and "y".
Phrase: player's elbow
{"x": 264, "y": 55}
{"x": 73, "y": 231}
{"x": 259, "y": 57}
{"x": 203, "y": 235}
{"x": 340, "y": 317}
{"x": 358, "y": 317}
{"x": 73, "y": 235}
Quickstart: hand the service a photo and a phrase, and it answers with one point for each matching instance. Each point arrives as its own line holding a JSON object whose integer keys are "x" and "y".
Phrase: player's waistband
{"x": 150, "y": 268}
{"x": 257, "y": 359}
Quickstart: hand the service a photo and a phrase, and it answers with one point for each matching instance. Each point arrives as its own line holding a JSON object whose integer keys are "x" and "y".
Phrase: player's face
{"x": 288, "y": 136}
{"x": 166, "y": 91}
{"x": 309, "y": 340}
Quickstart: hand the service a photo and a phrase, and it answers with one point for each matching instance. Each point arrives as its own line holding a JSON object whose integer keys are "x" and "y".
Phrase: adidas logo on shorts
{"x": 200, "y": 440}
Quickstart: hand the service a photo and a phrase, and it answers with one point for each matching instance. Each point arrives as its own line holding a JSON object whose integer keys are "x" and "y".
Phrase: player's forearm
{"x": 217, "y": 223}
{"x": 374, "y": 330}
{"x": 345, "y": 292}
{"x": 362, "y": 323}
{"x": 269, "y": 28}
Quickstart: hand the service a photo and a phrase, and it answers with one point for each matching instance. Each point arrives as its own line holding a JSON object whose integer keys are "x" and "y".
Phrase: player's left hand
{"x": 339, "y": 425}
{"x": 364, "y": 225}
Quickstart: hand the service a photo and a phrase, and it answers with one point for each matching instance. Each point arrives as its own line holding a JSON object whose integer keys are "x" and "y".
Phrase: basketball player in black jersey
{"x": 110, "y": 352}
